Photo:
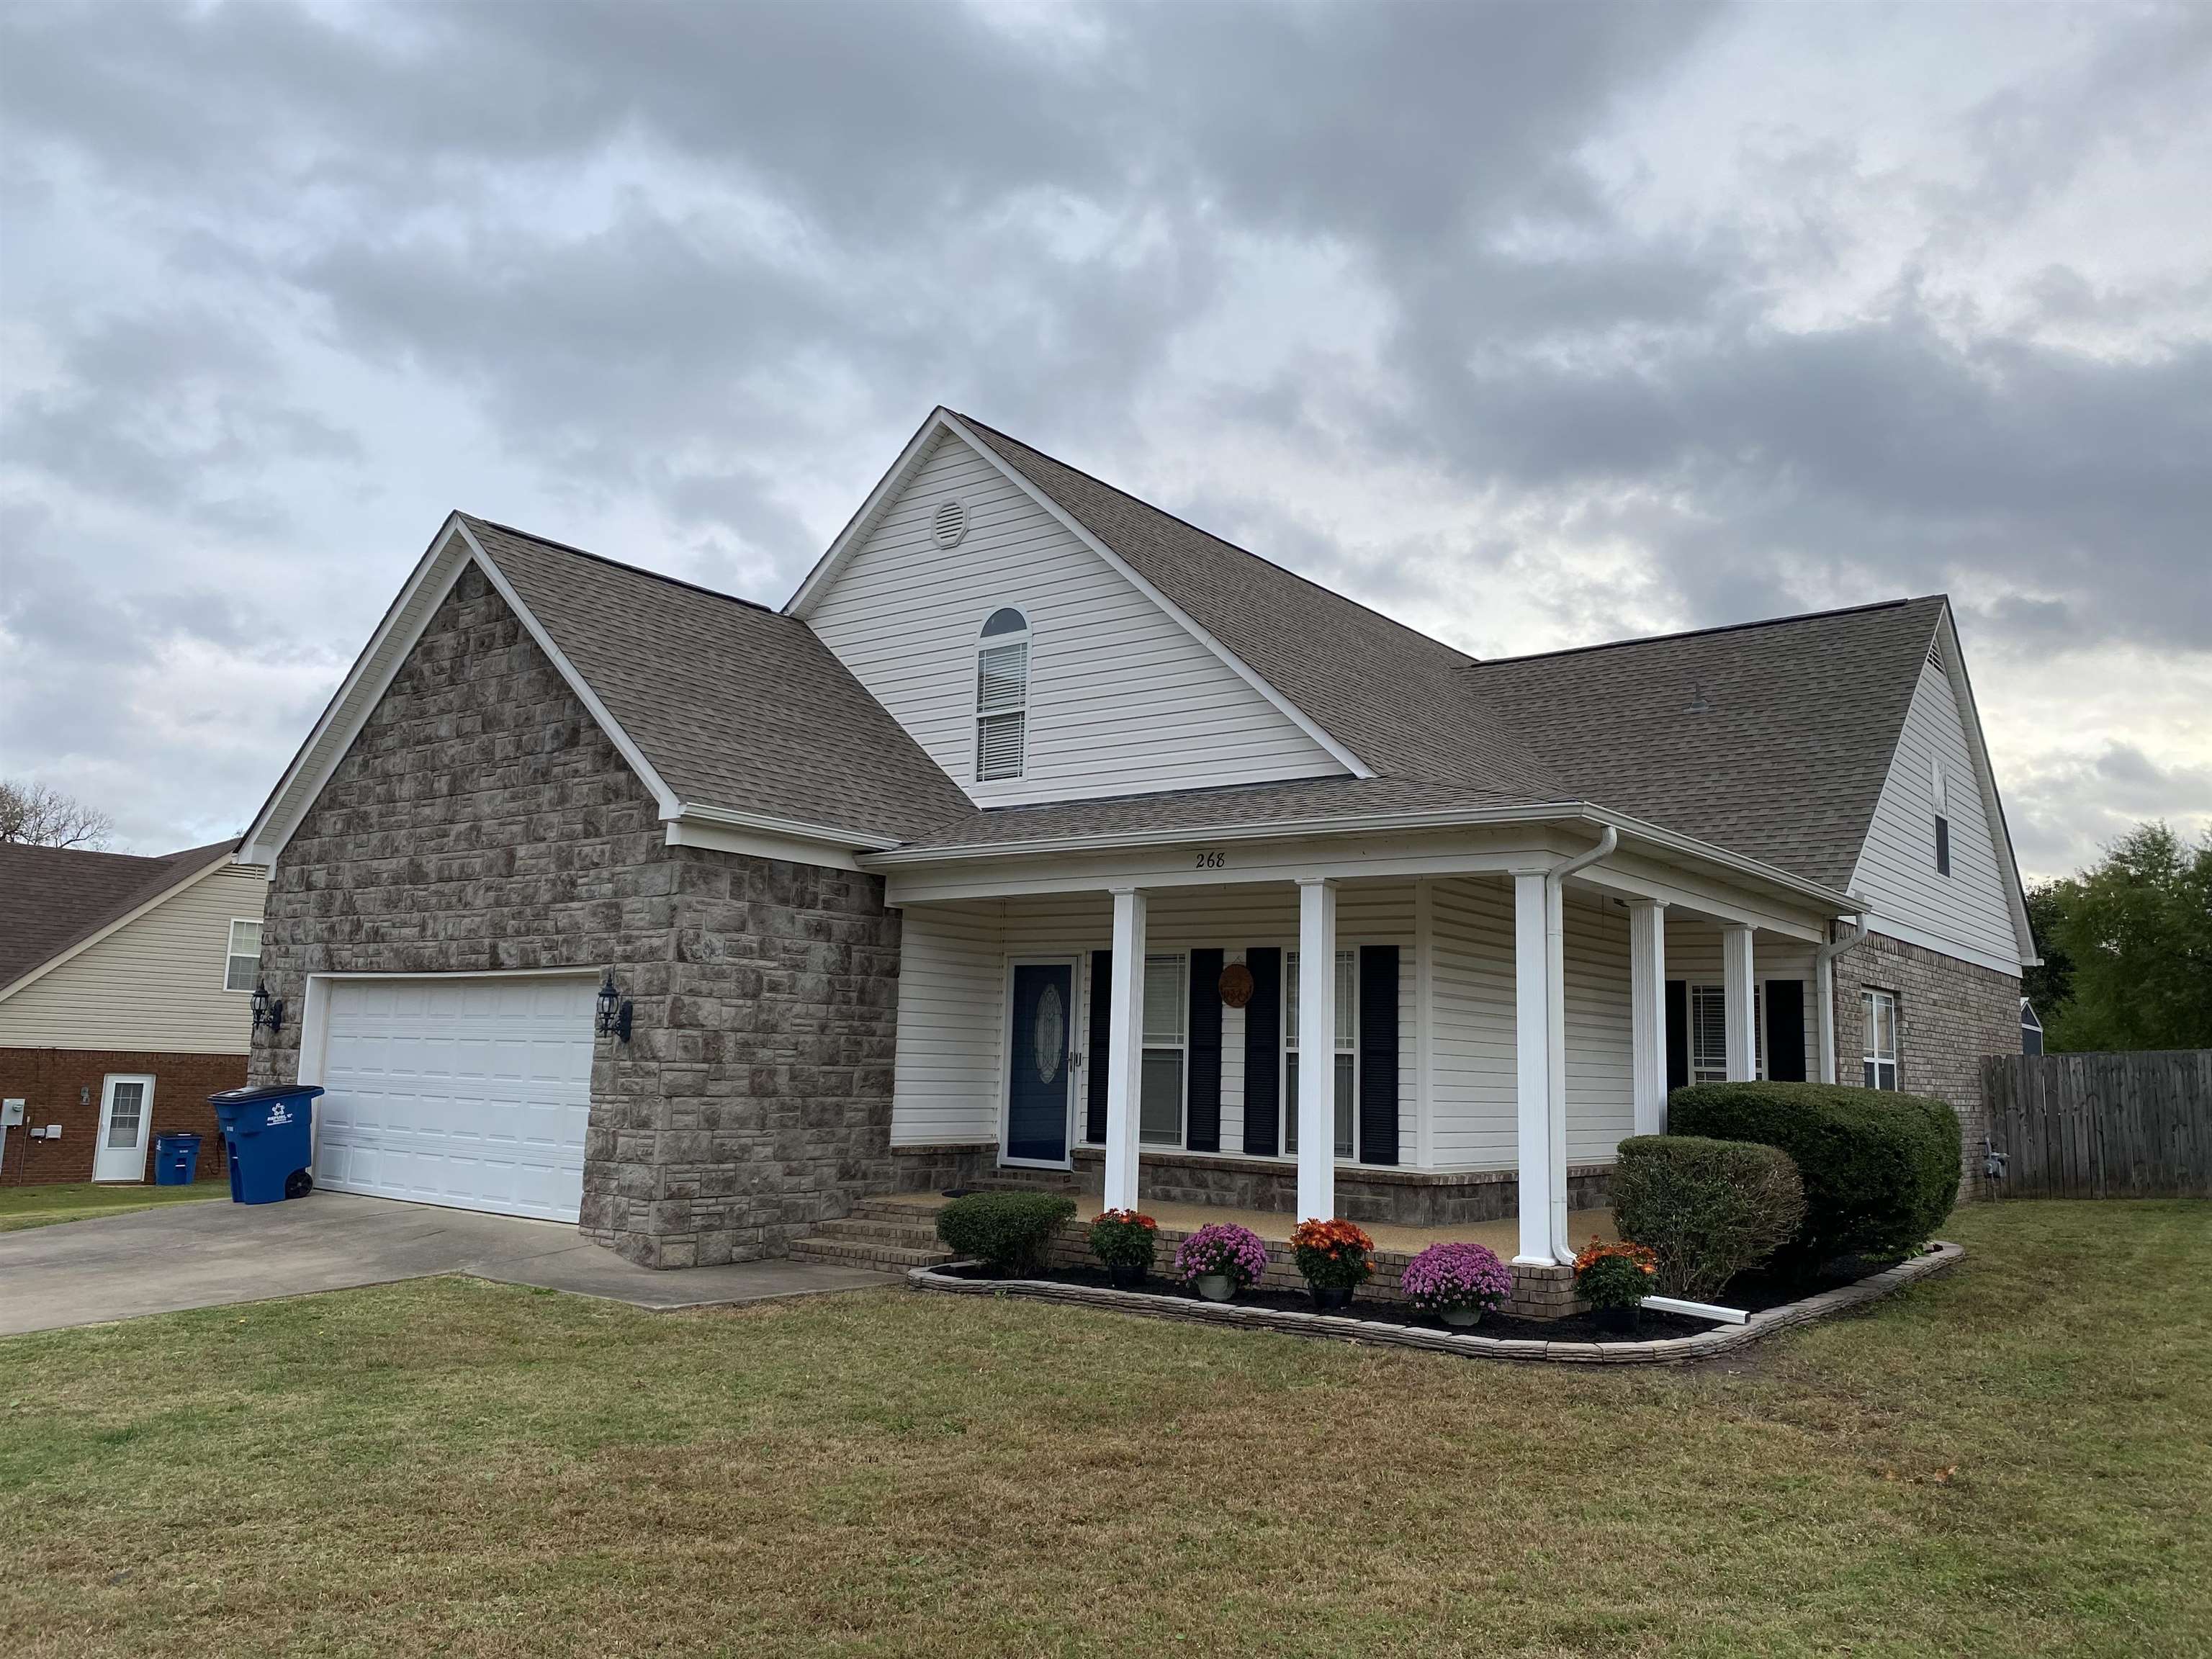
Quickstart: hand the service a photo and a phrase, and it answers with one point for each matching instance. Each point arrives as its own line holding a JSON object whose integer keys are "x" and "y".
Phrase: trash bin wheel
{"x": 299, "y": 1184}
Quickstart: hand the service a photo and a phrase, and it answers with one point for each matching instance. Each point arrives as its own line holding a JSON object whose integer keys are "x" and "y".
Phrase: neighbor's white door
{"x": 471, "y": 1091}
{"x": 126, "y": 1122}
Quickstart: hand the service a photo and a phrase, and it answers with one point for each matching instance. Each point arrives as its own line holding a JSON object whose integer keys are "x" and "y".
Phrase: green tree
{"x": 2131, "y": 944}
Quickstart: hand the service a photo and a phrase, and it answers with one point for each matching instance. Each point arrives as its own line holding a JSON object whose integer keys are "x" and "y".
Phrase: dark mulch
{"x": 1753, "y": 1293}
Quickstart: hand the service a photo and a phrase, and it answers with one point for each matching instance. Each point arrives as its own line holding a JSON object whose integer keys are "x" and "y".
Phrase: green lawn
{"x": 2015, "y": 1460}
{"x": 79, "y": 1200}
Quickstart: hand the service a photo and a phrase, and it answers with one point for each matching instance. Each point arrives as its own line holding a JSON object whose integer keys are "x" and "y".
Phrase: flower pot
{"x": 1214, "y": 1287}
{"x": 1619, "y": 1322}
{"x": 1126, "y": 1275}
{"x": 1329, "y": 1297}
{"x": 1462, "y": 1316}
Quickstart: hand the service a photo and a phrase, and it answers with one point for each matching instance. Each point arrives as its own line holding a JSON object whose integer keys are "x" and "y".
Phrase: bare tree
{"x": 36, "y": 814}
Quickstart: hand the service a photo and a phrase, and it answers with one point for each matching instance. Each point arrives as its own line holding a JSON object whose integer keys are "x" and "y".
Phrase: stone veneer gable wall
{"x": 1950, "y": 1014}
{"x": 483, "y": 821}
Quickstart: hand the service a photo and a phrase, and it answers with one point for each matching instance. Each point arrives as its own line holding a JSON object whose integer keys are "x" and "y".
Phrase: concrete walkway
{"x": 207, "y": 1255}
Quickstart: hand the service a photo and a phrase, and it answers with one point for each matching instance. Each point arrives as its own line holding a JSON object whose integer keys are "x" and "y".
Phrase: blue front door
{"x": 1036, "y": 1099}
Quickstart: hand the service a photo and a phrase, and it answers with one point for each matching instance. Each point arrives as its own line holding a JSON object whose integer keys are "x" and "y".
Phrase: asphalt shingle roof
{"x": 53, "y": 898}
{"x": 1772, "y": 739}
{"x": 734, "y": 705}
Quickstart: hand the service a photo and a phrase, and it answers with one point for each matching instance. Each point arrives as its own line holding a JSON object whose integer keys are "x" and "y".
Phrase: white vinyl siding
{"x": 1967, "y": 911}
{"x": 155, "y": 986}
{"x": 1601, "y": 1055}
{"x": 953, "y": 982}
{"x": 1475, "y": 1079}
{"x": 1120, "y": 698}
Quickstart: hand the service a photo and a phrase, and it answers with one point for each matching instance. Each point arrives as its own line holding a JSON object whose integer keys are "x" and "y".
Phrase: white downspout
{"x": 1824, "y": 988}
{"x": 1555, "y": 1029}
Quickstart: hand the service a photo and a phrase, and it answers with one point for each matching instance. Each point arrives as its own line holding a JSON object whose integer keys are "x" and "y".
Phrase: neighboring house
{"x": 1005, "y": 842}
{"x": 125, "y": 1001}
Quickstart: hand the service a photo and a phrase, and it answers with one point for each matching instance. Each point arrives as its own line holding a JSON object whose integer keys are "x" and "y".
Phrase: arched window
{"x": 1002, "y": 695}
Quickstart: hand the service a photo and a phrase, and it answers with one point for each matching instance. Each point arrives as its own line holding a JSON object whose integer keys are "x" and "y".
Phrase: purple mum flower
{"x": 1456, "y": 1275}
{"x": 1224, "y": 1248}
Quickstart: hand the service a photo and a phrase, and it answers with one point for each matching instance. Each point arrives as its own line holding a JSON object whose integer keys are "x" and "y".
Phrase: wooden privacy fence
{"x": 2102, "y": 1126}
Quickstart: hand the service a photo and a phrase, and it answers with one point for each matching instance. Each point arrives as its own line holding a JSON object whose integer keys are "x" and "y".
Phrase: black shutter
{"x": 1202, "y": 1126}
{"x": 1102, "y": 1014}
{"x": 1378, "y": 1054}
{"x": 1678, "y": 1033}
{"x": 1263, "y": 1055}
{"x": 1785, "y": 1030}
{"x": 1942, "y": 847}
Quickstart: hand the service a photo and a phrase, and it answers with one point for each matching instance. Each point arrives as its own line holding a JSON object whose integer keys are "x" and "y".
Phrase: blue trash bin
{"x": 268, "y": 1134}
{"x": 176, "y": 1160}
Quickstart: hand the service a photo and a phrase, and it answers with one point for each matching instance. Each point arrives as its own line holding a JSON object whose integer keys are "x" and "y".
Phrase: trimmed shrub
{"x": 1007, "y": 1232}
{"x": 1881, "y": 1170}
{"x": 1708, "y": 1209}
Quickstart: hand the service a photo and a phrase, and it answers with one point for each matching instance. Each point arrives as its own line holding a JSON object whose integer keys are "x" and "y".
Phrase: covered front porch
{"x": 1504, "y": 1005}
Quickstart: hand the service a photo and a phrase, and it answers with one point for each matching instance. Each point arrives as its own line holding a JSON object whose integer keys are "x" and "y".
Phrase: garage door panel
{"x": 467, "y": 1091}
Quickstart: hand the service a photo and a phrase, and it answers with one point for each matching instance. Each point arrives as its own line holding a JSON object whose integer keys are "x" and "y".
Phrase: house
{"x": 1004, "y": 847}
{"x": 125, "y": 1001}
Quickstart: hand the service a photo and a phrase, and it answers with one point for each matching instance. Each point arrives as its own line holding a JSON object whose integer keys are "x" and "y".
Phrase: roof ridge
{"x": 620, "y": 564}
{"x": 1200, "y": 530}
{"x": 1718, "y": 628}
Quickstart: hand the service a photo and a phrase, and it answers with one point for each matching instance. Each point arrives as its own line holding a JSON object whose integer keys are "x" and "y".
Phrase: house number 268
{"x": 1211, "y": 860}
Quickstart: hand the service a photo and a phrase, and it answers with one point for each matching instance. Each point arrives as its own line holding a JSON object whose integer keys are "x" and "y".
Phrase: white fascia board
{"x": 663, "y": 795}
{"x": 942, "y": 420}
{"x": 697, "y": 812}
{"x": 193, "y": 879}
{"x": 759, "y": 843}
{"x": 365, "y": 682}
{"x": 1962, "y": 693}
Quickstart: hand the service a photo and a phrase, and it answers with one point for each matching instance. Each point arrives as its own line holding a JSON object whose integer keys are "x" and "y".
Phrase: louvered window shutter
{"x": 1101, "y": 1012}
{"x": 1378, "y": 1054}
{"x": 1678, "y": 1033}
{"x": 1202, "y": 1119}
{"x": 1785, "y": 1030}
{"x": 1263, "y": 1054}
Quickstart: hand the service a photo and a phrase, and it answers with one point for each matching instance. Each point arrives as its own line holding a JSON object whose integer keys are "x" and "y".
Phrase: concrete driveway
{"x": 206, "y": 1255}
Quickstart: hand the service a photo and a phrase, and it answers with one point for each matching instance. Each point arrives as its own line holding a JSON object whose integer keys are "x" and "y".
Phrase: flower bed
{"x": 1556, "y": 1341}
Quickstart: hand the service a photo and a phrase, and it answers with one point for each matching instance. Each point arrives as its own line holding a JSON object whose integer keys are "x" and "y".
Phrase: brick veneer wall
{"x": 64, "y": 1085}
{"x": 1950, "y": 1013}
{"x": 483, "y": 821}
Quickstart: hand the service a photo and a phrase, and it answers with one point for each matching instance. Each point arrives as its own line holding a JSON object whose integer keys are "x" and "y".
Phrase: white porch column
{"x": 1532, "y": 1045}
{"x": 1647, "y": 996}
{"x": 1742, "y": 1013}
{"x": 1316, "y": 1049}
{"x": 1125, "y": 1048}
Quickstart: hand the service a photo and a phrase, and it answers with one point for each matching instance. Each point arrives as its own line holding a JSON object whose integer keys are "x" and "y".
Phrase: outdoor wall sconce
{"x": 614, "y": 1009}
{"x": 266, "y": 1012}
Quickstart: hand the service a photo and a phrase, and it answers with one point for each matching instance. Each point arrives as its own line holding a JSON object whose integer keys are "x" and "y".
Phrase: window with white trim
{"x": 1002, "y": 695}
{"x": 243, "y": 964}
{"x": 1709, "y": 1032}
{"x": 1160, "y": 1086}
{"x": 1878, "y": 1020}
{"x": 1347, "y": 1050}
{"x": 1939, "y": 790}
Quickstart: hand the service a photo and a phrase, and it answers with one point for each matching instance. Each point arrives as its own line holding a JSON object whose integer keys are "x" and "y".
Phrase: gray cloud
{"x": 289, "y": 282}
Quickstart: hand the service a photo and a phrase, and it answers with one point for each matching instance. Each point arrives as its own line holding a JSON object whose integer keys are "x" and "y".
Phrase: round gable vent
{"x": 952, "y": 523}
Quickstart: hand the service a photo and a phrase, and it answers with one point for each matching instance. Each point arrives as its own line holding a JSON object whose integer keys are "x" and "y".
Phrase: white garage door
{"x": 468, "y": 1090}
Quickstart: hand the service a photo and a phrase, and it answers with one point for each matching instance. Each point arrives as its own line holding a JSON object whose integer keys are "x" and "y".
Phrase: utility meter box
{"x": 11, "y": 1114}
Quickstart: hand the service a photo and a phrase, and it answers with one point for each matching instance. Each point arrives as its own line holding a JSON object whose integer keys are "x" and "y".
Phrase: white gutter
{"x": 1824, "y": 988}
{"x": 1349, "y": 824}
{"x": 1555, "y": 1031}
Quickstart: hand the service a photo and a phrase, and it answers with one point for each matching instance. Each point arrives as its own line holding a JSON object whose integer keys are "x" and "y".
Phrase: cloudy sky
{"x": 1532, "y": 327}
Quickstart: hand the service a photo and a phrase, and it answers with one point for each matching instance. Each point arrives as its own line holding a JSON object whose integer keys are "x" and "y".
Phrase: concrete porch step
{"x": 868, "y": 1253}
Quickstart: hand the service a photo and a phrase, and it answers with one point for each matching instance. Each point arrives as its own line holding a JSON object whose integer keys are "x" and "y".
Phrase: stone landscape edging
{"x": 1939, "y": 1258}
